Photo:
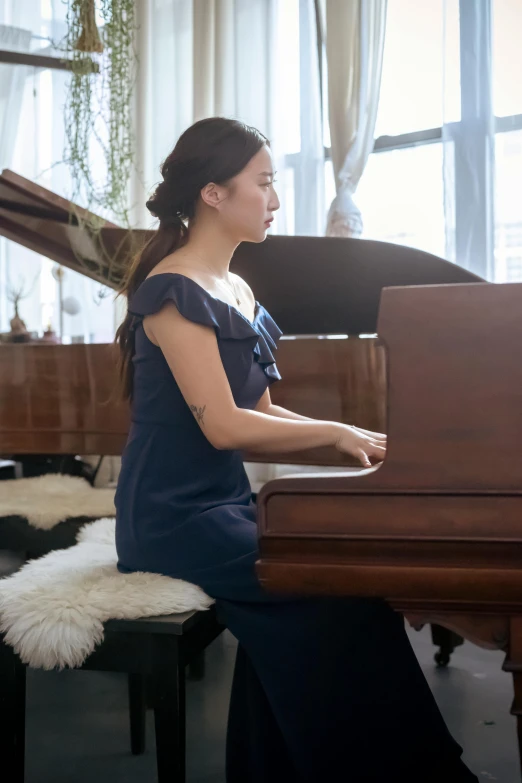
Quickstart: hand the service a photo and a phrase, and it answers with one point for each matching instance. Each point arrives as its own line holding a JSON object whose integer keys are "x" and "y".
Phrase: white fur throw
{"x": 46, "y": 500}
{"x": 52, "y": 610}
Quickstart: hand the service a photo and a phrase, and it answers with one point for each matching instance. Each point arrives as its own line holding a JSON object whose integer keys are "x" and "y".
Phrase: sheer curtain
{"x": 206, "y": 58}
{"x": 254, "y": 60}
{"x": 354, "y": 32}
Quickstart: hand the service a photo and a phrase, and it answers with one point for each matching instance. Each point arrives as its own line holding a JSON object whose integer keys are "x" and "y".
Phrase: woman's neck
{"x": 209, "y": 250}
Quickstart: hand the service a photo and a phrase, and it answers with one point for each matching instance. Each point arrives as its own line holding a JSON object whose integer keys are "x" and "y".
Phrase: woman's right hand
{"x": 354, "y": 441}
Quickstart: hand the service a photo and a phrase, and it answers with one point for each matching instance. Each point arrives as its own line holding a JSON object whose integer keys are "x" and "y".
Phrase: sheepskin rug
{"x": 47, "y": 500}
{"x": 52, "y": 611}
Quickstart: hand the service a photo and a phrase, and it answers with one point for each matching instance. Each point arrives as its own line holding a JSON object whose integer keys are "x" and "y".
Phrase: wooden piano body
{"x": 437, "y": 528}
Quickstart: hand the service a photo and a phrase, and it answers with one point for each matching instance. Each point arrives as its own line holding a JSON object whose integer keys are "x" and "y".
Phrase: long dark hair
{"x": 212, "y": 150}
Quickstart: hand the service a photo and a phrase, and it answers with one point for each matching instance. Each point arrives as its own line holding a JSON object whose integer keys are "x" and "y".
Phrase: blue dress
{"x": 324, "y": 688}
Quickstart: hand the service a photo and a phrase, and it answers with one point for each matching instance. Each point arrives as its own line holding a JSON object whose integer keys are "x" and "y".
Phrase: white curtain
{"x": 207, "y": 58}
{"x": 234, "y": 58}
{"x": 354, "y": 32}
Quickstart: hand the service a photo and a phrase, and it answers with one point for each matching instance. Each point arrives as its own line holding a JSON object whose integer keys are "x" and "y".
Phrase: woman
{"x": 324, "y": 688}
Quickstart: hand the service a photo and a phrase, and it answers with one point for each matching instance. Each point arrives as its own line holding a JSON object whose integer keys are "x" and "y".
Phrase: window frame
{"x": 475, "y": 30}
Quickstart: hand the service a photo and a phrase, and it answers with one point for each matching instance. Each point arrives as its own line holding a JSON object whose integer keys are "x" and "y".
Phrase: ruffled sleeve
{"x": 192, "y": 301}
{"x": 197, "y": 305}
{"x": 269, "y": 334}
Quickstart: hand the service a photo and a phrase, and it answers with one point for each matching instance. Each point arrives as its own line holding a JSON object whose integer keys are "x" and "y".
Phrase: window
{"x": 288, "y": 76}
{"x": 446, "y": 171}
{"x": 401, "y": 193}
{"x": 38, "y": 148}
{"x": 507, "y": 84}
{"x": 287, "y": 144}
{"x": 412, "y": 74}
{"x": 514, "y": 269}
{"x": 401, "y": 197}
{"x": 297, "y": 142}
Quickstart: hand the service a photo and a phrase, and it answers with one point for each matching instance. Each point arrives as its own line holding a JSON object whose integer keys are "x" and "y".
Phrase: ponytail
{"x": 171, "y": 235}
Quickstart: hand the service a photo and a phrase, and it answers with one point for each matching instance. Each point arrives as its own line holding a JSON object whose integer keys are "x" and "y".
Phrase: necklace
{"x": 231, "y": 283}
{"x": 235, "y": 294}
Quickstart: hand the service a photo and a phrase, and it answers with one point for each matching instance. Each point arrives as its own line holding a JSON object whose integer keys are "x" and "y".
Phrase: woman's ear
{"x": 213, "y": 194}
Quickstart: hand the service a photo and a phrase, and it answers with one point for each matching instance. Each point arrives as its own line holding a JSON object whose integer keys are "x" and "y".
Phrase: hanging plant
{"x": 89, "y": 40}
{"x": 98, "y": 119}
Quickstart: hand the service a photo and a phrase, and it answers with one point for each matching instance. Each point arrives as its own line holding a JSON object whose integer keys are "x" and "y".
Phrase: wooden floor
{"x": 77, "y": 721}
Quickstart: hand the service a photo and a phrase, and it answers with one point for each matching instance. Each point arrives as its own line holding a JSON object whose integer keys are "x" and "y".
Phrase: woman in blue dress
{"x": 324, "y": 688}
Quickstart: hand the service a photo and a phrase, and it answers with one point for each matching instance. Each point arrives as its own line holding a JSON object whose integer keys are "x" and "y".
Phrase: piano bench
{"x": 154, "y": 652}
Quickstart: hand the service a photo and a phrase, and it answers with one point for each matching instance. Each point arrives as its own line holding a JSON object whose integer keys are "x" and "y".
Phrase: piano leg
{"x": 446, "y": 641}
{"x": 513, "y": 664}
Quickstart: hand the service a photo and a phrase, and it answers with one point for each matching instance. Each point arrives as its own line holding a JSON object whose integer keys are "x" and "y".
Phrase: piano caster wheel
{"x": 442, "y": 658}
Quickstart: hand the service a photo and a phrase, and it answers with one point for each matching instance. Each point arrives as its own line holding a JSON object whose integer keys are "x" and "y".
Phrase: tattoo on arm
{"x": 198, "y": 413}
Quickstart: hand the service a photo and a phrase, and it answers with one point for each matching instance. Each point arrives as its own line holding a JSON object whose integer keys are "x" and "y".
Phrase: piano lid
{"x": 44, "y": 222}
{"x": 329, "y": 285}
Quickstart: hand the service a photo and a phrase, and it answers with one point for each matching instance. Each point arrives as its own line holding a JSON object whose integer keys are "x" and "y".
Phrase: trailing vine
{"x": 97, "y": 112}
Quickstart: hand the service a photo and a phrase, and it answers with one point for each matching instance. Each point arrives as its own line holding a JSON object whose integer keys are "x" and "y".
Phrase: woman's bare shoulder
{"x": 171, "y": 264}
{"x": 243, "y": 286}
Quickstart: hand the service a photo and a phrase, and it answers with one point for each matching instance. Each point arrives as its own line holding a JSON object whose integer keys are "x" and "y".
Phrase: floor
{"x": 78, "y": 733}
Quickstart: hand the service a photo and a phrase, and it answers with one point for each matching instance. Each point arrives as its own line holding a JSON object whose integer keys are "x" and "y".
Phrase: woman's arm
{"x": 284, "y": 413}
{"x": 265, "y": 405}
{"x": 192, "y": 353}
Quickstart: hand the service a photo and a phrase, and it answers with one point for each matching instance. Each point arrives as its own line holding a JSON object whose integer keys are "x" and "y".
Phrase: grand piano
{"x": 434, "y": 529}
